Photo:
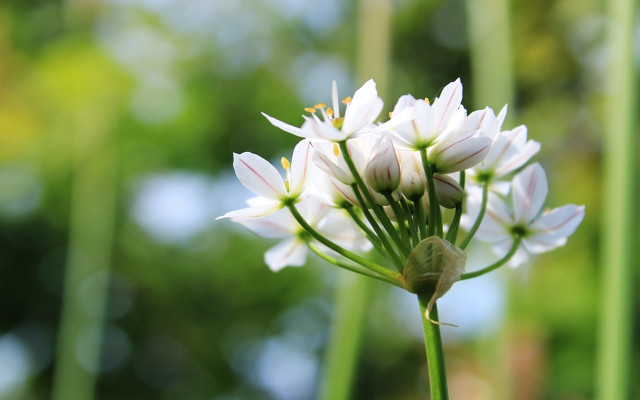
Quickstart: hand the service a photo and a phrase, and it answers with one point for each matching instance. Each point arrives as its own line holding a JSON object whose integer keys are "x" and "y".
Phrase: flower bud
{"x": 434, "y": 265}
{"x": 383, "y": 171}
{"x": 412, "y": 181}
{"x": 449, "y": 192}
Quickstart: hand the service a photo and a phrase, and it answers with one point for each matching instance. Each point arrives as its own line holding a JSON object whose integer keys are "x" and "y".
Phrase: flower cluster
{"x": 354, "y": 186}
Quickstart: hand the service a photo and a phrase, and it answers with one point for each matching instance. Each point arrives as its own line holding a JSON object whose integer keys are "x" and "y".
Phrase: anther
{"x": 310, "y": 109}
{"x": 330, "y": 112}
{"x": 347, "y": 100}
{"x": 320, "y": 105}
{"x": 336, "y": 149}
{"x": 426, "y": 99}
{"x": 285, "y": 163}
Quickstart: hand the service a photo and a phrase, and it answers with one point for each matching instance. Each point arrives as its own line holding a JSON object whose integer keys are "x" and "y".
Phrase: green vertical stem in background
{"x": 618, "y": 211}
{"x": 352, "y": 291}
{"x": 492, "y": 84}
{"x": 492, "y": 79}
{"x": 93, "y": 203}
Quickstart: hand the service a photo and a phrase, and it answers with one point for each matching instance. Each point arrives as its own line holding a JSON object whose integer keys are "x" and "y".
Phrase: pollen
{"x": 347, "y": 100}
{"x": 330, "y": 112}
{"x": 336, "y": 149}
{"x": 285, "y": 163}
{"x": 320, "y": 105}
{"x": 310, "y": 109}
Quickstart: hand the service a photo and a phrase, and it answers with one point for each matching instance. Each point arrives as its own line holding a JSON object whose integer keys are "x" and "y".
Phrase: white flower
{"x": 292, "y": 250}
{"x": 510, "y": 151}
{"x": 540, "y": 232}
{"x": 263, "y": 179}
{"x": 383, "y": 170}
{"x": 412, "y": 179}
{"x": 362, "y": 110}
{"x": 428, "y": 121}
{"x": 467, "y": 144}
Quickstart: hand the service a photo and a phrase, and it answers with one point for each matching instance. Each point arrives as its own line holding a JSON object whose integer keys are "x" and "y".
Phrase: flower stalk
{"x": 434, "y": 349}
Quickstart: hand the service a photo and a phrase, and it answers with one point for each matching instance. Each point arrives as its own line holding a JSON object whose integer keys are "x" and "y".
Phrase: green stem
{"x": 397, "y": 281}
{"x": 382, "y": 217}
{"x": 476, "y": 225}
{"x": 413, "y": 224}
{"x": 435, "y": 352}
{"x": 497, "y": 264}
{"x": 402, "y": 226}
{"x": 422, "y": 219}
{"x": 342, "y": 251}
{"x": 434, "y": 208}
{"x": 619, "y": 254}
{"x": 365, "y": 229}
{"x": 381, "y": 235}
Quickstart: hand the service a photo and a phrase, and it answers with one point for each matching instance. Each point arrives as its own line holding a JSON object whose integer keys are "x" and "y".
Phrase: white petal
{"x": 460, "y": 155}
{"x": 326, "y": 164}
{"x": 524, "y": 155}
{"x": 334, "y": 99}
{"x": 562, "y": 220}
{"x": 274, "y": 226}
{"x": 258, "y": 175}
{"x": 445, "y": 106}
{"x": 291, "y": 252}
{"x": 363, "y": 109}
{"x": 284, "y": 126}
{"x": 502, "y": 115}
{"x": 314, "y": 128}
{"x": 300, "y": 167}
{"x": 529, "y": 190}
{"x": 312, "y": 210}
{"x": 252, "y": 212}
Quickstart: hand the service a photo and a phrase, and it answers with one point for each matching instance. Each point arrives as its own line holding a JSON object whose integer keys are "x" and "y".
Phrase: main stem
{"x": 435, "y": 353}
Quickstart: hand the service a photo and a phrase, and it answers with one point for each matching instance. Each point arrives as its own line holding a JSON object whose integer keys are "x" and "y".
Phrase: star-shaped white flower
{"x": 540, "y": 232}
{"x": 263, "y": 179}
{"x": 292, "y": 250}
{"x": 361, "y": 111}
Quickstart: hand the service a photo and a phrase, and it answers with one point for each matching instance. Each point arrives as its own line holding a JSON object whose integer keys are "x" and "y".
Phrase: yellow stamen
{"x": 310, "y": 109}
{"x": 347, "y": 100}
{"x": 336, "y": 149}
{"x": 285, "y": 163}
{"x": 426, "y": 99}
{"x": 330, "y": 112}
{"x": 320, "y": 105}
{"x": 390, "y": 114}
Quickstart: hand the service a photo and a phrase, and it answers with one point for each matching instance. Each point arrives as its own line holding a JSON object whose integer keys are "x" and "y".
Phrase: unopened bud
{"x": 412, "y": 182}
{"x": 433, "y": 265}
{"x": 383, "y": 171}
{"x": 449, "y": 192}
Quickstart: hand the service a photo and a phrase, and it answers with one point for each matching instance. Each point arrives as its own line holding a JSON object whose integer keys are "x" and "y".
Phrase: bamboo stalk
{"x": 352, "y": 291}
{"x": 618, "y": 230}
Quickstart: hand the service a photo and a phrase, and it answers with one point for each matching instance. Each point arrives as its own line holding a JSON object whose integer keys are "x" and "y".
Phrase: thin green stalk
{"x": 340, "y": 250}
{"x": 375, "y": 241}
{"x": 382, "y": 217}
{"x": 619, "y": 219}
{"x": 381, "y": 235}
{"x": 435, "y": 352}
{"x": 434, "y": 209}
{"x": 422, "y": 219}
{"x": 402, "y": 226}
{"x": 397, "y": 281}
{"x": 476, "y": 224}
{"x": 497, "y": 264}
{"x": 91, "y": 232}
{"x": 413, "y": 224}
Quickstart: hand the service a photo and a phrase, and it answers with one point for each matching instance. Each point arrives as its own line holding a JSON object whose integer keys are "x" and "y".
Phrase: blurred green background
{"x": 118, "y": 119}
